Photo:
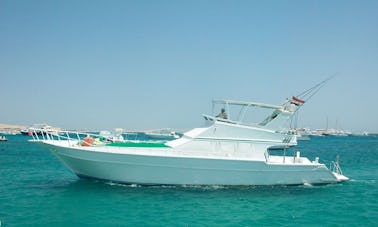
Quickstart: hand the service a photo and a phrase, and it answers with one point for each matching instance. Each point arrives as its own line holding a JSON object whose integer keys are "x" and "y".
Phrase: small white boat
{"x": 162, "y": 134}
{"x": 3, "y": 139}
{"x": 116, "y": 136}
{"x": 228, "y": 151}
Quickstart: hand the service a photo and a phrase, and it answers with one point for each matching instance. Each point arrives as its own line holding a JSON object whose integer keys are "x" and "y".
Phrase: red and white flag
{"x": 297, "y": 101}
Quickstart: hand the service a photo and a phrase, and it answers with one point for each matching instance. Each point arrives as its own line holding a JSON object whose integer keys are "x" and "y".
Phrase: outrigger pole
{"x": 307, "y": 95}
{"x": 303, "y": 97}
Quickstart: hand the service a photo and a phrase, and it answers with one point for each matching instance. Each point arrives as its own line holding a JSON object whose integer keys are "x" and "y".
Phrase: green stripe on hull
{"x": 142, "y": 144}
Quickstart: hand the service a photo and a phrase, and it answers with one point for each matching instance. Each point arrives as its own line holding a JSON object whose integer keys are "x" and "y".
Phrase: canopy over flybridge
{"x": 273, "y": 120}
{"x": 243, "y": 103}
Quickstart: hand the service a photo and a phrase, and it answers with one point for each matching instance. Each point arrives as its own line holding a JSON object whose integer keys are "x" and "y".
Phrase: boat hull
{"x": 175, "y": 170}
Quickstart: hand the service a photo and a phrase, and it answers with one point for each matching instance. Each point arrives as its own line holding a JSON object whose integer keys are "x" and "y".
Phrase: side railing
{"x": 82, "y": 138}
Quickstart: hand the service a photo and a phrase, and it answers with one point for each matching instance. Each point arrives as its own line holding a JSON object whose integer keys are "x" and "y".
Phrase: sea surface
{"x": 37, "y": 190}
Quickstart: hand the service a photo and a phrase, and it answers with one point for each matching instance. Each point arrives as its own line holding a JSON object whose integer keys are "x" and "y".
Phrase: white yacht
{"x": 39, "y": 129}
{"x": 228, "y": 151}
{"x": 162, "y": 134}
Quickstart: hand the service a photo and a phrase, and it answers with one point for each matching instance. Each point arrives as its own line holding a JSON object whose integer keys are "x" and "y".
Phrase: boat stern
{"x": 340, "y": 177}
{"x": 336, "y": 170}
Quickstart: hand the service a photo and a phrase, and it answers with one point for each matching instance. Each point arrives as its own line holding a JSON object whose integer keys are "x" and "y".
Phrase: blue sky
{"x": 154, "y": 64}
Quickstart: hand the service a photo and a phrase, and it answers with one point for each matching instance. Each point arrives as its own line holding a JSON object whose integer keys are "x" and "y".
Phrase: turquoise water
{"x": 37, "y": 190}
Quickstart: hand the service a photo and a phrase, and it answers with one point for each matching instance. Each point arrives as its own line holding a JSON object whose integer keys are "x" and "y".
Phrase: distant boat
{"x": 3, "y": 139}
{"x": 113, "y": 137}
{"x": 333, "y": 132}
{"x": 228, "y": 151}
{"x": 302, "y": 134}
{"x": 302, "y": 137}
{"x": 162, "y": 134}
{"x": 37, "y": 129}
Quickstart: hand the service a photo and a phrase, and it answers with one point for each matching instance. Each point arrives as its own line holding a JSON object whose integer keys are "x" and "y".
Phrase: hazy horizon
{"x": 158, "y": 64}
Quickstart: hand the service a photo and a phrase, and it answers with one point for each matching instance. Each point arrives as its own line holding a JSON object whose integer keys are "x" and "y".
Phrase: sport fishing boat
{"x": 227, "y": 151}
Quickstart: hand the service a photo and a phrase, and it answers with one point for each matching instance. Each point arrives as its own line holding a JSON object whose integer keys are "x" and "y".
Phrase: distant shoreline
{"x": 11, "y": 129}
{"x": 9, "y": 126}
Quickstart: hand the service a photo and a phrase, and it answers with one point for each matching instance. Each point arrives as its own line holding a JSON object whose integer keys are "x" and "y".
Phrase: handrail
{"x": 212, "y": 118}
{"x": 67, "y": 135}
{"x": 86, "y": 139}
{"x": 334, "y": 166}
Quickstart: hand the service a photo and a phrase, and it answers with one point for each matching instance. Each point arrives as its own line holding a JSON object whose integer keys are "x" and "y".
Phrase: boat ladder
{"x": 335, "y": 166}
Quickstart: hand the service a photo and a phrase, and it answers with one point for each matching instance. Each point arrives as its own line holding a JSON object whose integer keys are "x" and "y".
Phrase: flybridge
{"x": 238, "y": 112}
